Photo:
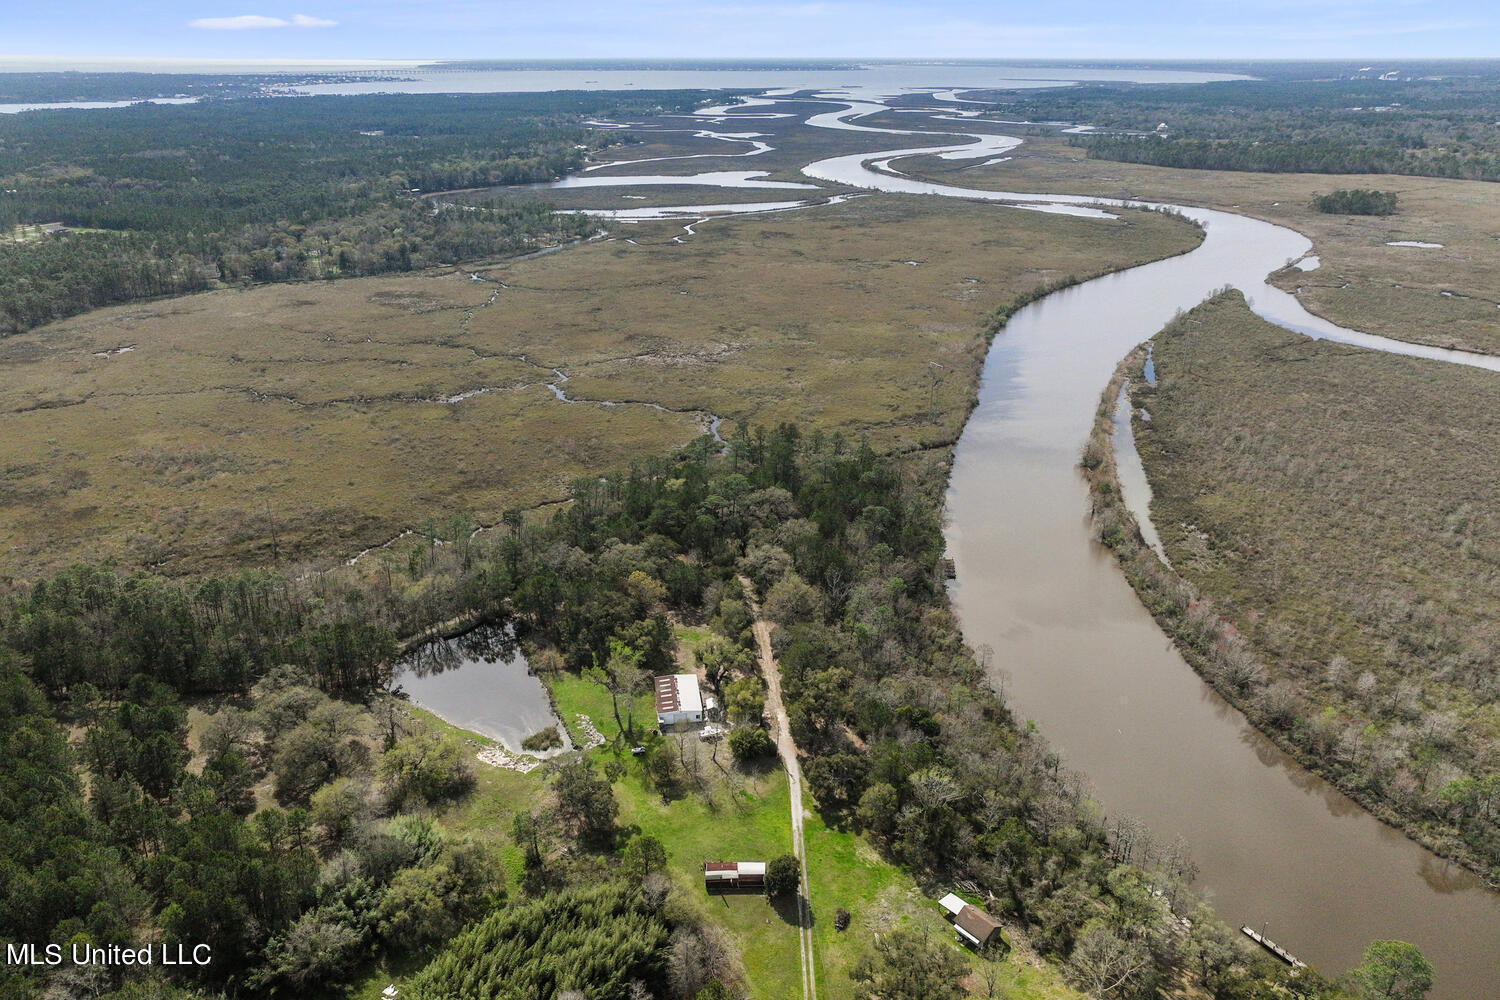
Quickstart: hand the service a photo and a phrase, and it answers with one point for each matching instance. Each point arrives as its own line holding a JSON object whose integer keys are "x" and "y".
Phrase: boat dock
{"x": 1273, "y": 948}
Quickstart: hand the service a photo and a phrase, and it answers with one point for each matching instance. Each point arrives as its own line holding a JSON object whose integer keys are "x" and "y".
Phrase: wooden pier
{"x": 1273, "y": 948}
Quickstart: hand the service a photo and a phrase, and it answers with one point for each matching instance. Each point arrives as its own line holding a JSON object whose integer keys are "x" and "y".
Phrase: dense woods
{"x": 1433, "y": 127}
{"x": 162, "y": 200}
{"x": 904, "y": 740}
{"x": 601, "y": 939}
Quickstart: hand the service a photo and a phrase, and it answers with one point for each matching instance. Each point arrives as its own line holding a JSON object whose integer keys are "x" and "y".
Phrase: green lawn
{"x": 499, "y": 794}
{"x": 845, "y": 870}
{"x": 572, "y": 694}
{"x": 484, "y": 816}
{"x": 744, "y": 819}
{"x": 692, "y": 634}
{"x": 733, "y": 818}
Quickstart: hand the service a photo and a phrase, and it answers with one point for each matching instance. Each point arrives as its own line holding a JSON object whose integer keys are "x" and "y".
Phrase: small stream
{"x": 1135, "y": 489}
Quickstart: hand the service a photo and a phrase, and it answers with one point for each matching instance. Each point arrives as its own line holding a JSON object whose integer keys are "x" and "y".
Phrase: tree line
{"x": 1355, "y": 201}
{"x": 1389, "y": 732}
{"x": 1425, "y": 127}
{"x": 161, "y": 200}
{"x": 53, "y": 88}
{"x": 905, "y": 741}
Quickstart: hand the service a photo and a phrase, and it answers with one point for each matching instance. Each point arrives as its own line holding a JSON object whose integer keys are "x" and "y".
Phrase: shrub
{"x": 542, "y": 740}
{"x": 1356, "y": 201}
{"x": 429, "y": 766}
{"x": 751, "y": 743}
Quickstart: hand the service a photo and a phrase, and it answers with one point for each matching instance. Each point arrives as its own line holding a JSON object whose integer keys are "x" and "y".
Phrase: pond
{"x": 479, "y": 681}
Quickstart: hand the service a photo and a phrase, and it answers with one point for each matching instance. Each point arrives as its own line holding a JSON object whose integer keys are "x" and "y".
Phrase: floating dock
{"x": 1273, "y": 948}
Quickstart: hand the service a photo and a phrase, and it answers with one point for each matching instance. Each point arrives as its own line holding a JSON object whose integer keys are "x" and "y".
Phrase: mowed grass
{"x": 1337, "y": 504}
{"x": 573, "y": 695}
{"x": 748, "y": 823}
{"x": 746, "y": 818}
{"x": 299, "y": 422}
{"x": 484, "y": 816}
{"x": 1361, "y": 282}
{"x": 736, "y": 816}
{"x": 727, "y": 814}
{"x": 845, "y": 870}
{"x": 499, "y": 793}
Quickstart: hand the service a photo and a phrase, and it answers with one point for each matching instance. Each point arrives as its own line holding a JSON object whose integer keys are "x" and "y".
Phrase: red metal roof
{"x": 666, "y": 694}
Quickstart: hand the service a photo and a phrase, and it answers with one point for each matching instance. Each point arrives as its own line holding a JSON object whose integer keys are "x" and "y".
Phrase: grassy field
{"x": 573, "y": 695}
{"x": 292, "y": 422}
{"x": 746, "y": 818}
{"x": 1336, "y": 505}
{"x": 734, "y": 815}
{"x": 1362, "y": 282}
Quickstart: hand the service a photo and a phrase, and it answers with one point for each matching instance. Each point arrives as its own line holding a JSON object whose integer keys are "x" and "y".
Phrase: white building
{"x": 721, "y": 875}
{"x": 678, "y": 699}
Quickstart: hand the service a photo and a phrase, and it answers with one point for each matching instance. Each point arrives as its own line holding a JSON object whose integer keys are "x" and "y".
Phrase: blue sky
{"x": 426, "y": 29}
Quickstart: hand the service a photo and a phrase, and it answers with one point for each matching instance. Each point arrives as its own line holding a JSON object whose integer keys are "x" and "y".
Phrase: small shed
{"x": 720, "y": 876}
{"x": 678, "y": 699}
{"x": 973, "y": 926}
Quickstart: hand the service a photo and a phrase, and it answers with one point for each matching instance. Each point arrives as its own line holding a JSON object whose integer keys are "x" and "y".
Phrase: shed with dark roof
{"x": 975, "y": 927}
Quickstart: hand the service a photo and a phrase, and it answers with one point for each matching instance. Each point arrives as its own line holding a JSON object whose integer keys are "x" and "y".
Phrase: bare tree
{"x": 1104, "y": 965}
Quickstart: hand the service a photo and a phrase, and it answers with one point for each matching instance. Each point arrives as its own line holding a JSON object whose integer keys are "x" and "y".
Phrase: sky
{"x": 504, "y": 29}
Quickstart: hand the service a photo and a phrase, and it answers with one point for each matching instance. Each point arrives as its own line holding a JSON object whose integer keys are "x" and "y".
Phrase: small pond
{"x": 478, "y": 681}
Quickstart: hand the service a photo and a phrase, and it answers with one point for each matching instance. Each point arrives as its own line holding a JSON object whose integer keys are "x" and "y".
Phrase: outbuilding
{"x": 678, "y": 699}
{"x": 972, "y": 925}
{"x": 722, "y": 876}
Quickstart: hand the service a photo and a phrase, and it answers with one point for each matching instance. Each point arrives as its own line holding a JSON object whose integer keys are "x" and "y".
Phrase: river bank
{"x": 1285, "y": 695}
{"x": 1368, "y": 277}
{"x": 1075, "y": 649}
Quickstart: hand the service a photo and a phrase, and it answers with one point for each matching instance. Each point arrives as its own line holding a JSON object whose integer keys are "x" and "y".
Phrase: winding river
{"x": 1276, "y": 846}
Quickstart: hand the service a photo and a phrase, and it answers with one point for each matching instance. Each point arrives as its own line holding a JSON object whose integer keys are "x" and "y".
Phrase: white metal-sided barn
{"x": 678, "y": 699}
{"x": 723, "y": 876}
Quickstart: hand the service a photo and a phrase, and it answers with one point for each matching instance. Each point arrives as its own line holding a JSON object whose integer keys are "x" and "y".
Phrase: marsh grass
{"x": 298, "y": 422}
{"x": 1332, "y": 510}
{"x": 1361, "y": 283}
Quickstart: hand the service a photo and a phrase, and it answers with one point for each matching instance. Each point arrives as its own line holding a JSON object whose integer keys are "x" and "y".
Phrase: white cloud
{"x": 240, "y": 23}
{"x": 243, "y": 22}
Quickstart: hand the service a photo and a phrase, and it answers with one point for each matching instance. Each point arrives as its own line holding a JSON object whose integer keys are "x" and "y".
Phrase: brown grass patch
{"x": 1335, "y": 504}
{"x": 302, "y": 420}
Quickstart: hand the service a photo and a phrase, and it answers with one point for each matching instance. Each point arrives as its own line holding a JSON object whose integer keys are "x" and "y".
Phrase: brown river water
{"x": 1276, "y": 846}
